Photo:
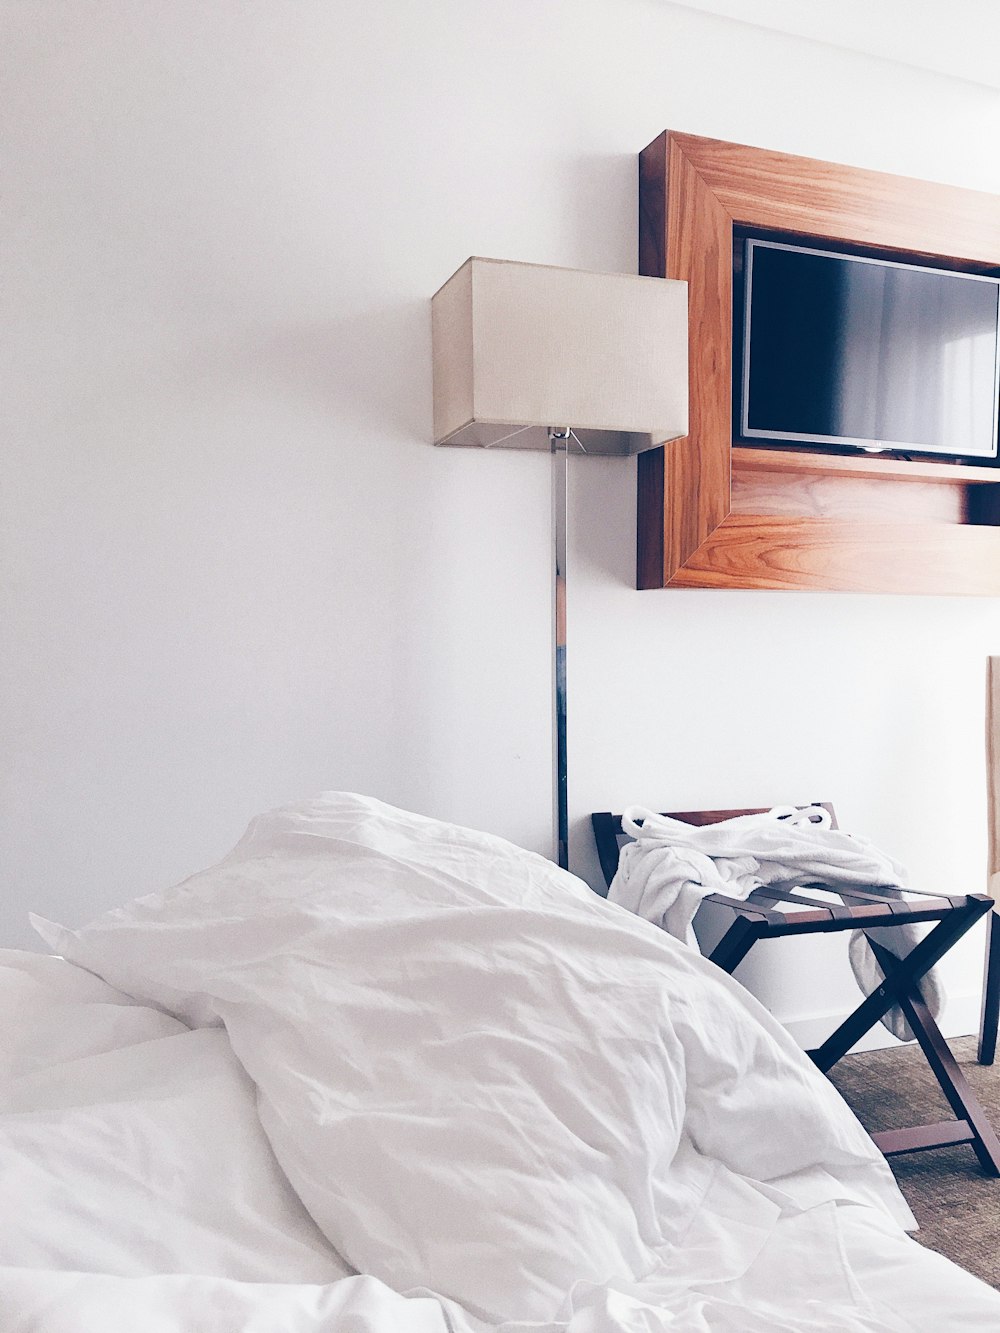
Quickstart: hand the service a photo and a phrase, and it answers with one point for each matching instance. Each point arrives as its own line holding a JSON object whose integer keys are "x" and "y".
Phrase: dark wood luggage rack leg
{"x": 899, "y": 978}
{"x": 991, "y": 991}
{"x": 971, "y": 1125}
{"x": 901, "y": 986}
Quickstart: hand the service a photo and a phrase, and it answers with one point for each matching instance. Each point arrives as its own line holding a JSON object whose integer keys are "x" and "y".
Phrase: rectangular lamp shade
{"x": 519, "y": 348}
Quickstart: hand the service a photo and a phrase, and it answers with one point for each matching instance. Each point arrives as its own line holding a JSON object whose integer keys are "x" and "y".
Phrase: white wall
{"x": 234, "y": 571}
{"x": 960, "y": 38}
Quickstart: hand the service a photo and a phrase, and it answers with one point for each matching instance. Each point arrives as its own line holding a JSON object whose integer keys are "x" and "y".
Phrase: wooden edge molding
{"x": 767, "y": 189}
{"x": 845, "y": 555}
{"x": 692, "y": 191}
{"x": 993, "y": 775}
{"x": 685, "y": 232}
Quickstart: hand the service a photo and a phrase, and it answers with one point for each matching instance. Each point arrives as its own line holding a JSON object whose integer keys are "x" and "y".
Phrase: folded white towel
{"x": 671, "y": 866}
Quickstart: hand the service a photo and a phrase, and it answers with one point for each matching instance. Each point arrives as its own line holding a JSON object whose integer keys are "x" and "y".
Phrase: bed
{"x": 373, "y": 1072}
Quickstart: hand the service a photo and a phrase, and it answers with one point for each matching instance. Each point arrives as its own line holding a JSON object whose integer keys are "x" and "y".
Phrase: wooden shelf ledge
{"x": 843, "y": 555}
{"x": 812, "y": 464}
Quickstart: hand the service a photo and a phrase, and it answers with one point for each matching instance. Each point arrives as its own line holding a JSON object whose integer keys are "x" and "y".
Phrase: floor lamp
{"x": 527, "y": 356}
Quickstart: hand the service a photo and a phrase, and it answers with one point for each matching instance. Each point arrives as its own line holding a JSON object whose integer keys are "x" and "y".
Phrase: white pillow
{"x": 130, "y": 1145}
{"x": 471, "y": 1068}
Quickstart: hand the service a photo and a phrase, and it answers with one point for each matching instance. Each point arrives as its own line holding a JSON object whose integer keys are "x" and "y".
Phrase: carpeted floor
{"x": 957, "y": 1206}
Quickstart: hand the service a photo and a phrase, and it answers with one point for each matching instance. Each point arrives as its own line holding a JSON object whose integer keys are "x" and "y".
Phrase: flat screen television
{"x": 845, "y": 350}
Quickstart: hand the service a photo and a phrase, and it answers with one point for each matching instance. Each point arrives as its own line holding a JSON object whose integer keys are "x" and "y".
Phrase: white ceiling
{"x": 960, "y": 38}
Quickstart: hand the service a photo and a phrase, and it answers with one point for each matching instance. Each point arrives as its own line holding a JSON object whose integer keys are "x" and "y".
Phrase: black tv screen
{"x": 840, "y": 349}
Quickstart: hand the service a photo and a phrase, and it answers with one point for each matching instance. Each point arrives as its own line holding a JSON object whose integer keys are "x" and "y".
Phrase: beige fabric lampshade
{"x": 522, "y": 347}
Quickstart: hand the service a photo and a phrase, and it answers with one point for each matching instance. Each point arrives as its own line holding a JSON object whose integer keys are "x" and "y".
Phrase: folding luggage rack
{"x": 774, "y": 912}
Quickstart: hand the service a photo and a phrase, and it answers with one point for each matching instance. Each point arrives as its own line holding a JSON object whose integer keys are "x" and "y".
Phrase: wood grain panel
{"x": 804, "y": 495}
{"x": 684, "y": 233}
{"x": 993, "y": 772}
{"x": 863, "y": 465}
{"x": 692, "y": 190}
{"x": 779, "y": 190}
{"x": 843, "y": 555}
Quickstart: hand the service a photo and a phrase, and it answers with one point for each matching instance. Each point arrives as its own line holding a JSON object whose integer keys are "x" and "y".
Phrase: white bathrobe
{"x": 671, "y": 866}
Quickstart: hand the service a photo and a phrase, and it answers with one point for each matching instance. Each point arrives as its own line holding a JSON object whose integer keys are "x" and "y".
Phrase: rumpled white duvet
{"x": 377, "y": 1073}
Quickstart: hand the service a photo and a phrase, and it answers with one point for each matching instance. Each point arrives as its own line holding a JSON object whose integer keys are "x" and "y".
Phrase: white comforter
{"x": 507, "y": 1103}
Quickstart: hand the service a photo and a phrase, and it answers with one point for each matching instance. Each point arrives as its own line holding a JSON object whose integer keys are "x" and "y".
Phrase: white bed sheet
{"x": 144, "y": 1194}
{"x": 895, "y": 1287}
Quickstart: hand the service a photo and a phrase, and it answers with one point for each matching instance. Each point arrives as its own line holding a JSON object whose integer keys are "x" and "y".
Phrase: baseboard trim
{"x": 959, "y": 1018}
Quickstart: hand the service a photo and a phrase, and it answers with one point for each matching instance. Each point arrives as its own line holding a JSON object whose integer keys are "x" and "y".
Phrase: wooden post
{"x": 991, "y": 979}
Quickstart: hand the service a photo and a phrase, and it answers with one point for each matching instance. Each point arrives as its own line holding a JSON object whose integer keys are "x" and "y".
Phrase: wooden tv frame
{"x": 714, "y": 517}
